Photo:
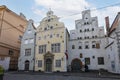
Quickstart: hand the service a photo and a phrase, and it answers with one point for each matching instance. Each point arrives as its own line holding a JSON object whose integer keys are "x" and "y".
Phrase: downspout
{"x": 34, "y": 51}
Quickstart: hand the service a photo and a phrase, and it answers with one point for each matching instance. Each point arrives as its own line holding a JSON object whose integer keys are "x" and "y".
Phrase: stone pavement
{"x": 91, "y": 74}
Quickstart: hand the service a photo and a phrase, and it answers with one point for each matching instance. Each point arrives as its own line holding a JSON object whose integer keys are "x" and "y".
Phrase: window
{"x": 86, "y": 45}
{"x": 55, "y": 47}
{"x": 93, "y": 44}
{"x": 2, "y": 58}
{"x": 29, "y": 31}
{"x": 81, "y": 56}
{"x": 87, "y": 29}
{"x": 88, "y": 37}
{"x": 39, "y": 38}
{"x": 100, "y": 61}
{"x": 73, "y": 46}
{"x": 20, "y": 38}
{"x": 48, "y": 20}
{"x": 96, "y": 36}
{"x": 58, "y": 63}
{"x": 42, "y": 49}
{"x": 39, "y": 63}
{"x": 87, "y": 22}
{"x": 80, "y": 47}
{"x": 31, "y": 40}
{"x": 45, "y": 29}
{"x": 97, "y": 45}
{"x": 87, "y": 61}
{"x": 92, "y": 29}
{"x": 80, "y": 37}
{"x": 26, "y": 41}
{"x": 57, "y": 35}
{"x": 10, "y": 52}
{"x": 51, "y": 27}
{"x": 80, "y": 30}
{"x": 51, "y": 36}
{"x": 27, "y": 52}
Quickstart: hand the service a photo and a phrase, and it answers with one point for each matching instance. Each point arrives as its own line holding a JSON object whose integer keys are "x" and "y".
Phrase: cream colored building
{"x": 51, "y": 45}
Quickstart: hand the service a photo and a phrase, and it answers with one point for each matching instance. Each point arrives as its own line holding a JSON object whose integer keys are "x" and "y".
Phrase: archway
{"x": 76, "y": 65}
{"x": 48, "y": 65}
{"x": 27, "y": 65}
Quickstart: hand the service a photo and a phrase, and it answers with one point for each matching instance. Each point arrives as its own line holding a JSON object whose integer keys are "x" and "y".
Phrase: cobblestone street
{"x": 58, "y": 76}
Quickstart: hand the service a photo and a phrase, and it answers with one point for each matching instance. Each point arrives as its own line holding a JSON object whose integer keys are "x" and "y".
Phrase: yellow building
{"x": 51, "y": 44}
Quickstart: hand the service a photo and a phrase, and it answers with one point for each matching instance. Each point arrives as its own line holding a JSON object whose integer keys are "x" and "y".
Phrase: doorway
{"x": 48, "y": 65}
{"x": 76, "y": 65}
{"x": 27, "y": 65}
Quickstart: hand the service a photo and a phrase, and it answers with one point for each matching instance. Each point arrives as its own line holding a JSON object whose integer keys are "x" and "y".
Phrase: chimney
{"x": 107, "y": 24}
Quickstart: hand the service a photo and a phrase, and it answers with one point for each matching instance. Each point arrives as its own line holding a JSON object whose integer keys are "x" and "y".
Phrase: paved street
{"x": 58, "y": 76}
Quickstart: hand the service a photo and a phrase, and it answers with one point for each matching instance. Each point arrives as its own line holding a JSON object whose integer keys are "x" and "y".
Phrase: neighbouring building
{"x": 51, "y": 45}
{"x": 12, "y": 28}
{"x": 27, "y": 51}
{"x": 113, "y": 46}
{"x": 86, "y": 44}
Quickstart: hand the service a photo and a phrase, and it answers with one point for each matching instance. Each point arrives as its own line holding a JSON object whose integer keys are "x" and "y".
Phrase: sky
{"x": 67, "y": 10}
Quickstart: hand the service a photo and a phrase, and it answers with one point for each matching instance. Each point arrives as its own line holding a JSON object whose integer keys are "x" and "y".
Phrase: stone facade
{"x": 27, "y": 52}
{"x": 86, "y": 45}
{"x": 113, "y": 46}
{"x": 51, "y": 45}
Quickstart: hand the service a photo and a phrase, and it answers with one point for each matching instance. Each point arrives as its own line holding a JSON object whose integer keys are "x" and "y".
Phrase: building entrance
{"x": 48, "y": 65}
{"x": 76, "y": 65}
{"x": 27, "y": 65}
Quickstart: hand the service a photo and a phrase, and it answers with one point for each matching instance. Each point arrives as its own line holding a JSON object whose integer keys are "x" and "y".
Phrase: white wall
{"x": 5, "y": 63}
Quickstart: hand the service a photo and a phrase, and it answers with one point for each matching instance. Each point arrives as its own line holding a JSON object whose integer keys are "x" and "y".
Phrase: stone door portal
{"x": 48, "y": 65}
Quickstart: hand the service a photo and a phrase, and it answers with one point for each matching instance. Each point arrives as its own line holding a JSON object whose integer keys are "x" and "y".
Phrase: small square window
{"x": 80, "y": 47}
{"x": 86, "y": 47}
{"x": 92, "y": 29}
{"x": 100, "y": 60}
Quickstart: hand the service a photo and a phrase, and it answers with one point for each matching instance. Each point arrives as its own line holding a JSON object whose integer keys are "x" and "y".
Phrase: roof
{"x": 3, "y": 7}
{"x": 114, "y": 24}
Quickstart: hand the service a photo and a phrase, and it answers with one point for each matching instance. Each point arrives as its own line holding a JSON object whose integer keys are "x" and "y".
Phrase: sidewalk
{"x": 92, "y": 74}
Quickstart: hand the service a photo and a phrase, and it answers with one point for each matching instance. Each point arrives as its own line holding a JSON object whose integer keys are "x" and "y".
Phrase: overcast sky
{"x": 67, "y": 10}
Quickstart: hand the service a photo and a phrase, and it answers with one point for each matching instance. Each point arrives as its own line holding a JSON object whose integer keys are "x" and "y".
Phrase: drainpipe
{"x": 34, "y": 51}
